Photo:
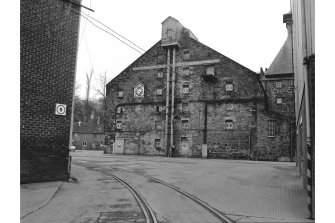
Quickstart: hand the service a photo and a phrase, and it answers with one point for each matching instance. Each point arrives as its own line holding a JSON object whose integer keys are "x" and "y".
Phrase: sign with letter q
{"x": 60, "y": 109}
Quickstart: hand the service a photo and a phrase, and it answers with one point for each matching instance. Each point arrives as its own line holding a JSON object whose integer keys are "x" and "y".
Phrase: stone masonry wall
{"x": 93, "y": 140}
{"x": 48, "y": 41}
{"x": 207, "y": 111}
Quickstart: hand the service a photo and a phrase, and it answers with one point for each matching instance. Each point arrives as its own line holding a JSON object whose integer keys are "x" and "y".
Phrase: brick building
{"x": 183, "y": 93}
{"x": 48, "y": 41}
{"x": 88, "y": 135}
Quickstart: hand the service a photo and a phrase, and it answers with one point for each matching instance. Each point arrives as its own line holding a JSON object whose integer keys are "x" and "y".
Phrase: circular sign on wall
{"x": 60, "y": 109}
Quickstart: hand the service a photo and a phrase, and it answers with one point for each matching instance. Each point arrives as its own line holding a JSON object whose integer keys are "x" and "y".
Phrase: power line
{"x": 84, "y": 26}
{"x": 87, "y": 19}
{"x": 116, "y": 33}
{"x": 108, "y": 32}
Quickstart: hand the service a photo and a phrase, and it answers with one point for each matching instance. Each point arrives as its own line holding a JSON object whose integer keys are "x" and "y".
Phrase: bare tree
{"x": 88, "y": 90}
{"x": 102, "y": 81}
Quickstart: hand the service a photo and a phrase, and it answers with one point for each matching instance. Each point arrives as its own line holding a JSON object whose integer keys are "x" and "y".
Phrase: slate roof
{"x": 282, "y": 64}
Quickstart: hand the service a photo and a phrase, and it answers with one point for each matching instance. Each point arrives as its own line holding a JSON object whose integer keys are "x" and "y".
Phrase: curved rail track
{"x": 221, "y": 217}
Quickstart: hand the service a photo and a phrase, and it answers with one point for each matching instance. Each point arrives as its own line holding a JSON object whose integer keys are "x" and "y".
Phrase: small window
{"x": 159, "y": 91}
{"x": 158, "y": 125}
{"x": 271, "y": 128}
{"x": 184, "y": 124}
{"x": 119, "y": 125}
{"x": 210, "y": 70}
{"x": 229, "y": 124}
{"x": 186, "y": 71}
{"x": 186, "y": 89}
{"x": 119, "y": 110}
{"x": 230, "y": 107}
{"x": 279, "y": 100}
{"x": 120, "y": 94}
{"x": 278, "y": 84}
{"x": 158, "y": 144}
{"x": 160, "y": 74}
{"x": 184, "y": 107}
{"x": 84, "y": 143}
{"x": 187, "y": 55}
{"x": 183, "y": 139}
{"x": 161, "y": 59}
{"x": 229, "y": 87}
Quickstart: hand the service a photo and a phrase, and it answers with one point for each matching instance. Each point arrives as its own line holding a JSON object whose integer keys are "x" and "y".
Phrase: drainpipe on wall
{"x": 172, "y": 99}
{"x": 167, "y": 102}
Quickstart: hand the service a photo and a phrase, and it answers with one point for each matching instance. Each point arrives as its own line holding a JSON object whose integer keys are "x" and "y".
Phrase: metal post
{"x": 167, "y": 102}
{"x": 172, "y": 99}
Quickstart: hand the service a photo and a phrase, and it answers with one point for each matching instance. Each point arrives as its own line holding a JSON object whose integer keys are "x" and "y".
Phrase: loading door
{"x": 119, "y": 146}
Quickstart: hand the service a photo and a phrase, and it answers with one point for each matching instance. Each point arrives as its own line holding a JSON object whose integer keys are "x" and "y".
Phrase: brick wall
{"x": 48, "y": 41}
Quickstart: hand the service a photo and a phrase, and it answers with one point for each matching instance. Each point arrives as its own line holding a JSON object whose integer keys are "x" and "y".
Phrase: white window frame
{"x": 210, "y": 70}
{"x": 229, "y": 86}
{"x": 279, "y": 100}
{"x": 229, "y": 124}
{"x": 120, "y": 94}
{"x": 159, "y": 91}
{"x": 278, "y": 84}
{"x": 186, "y": 88}
{"x": 271, "y": 128}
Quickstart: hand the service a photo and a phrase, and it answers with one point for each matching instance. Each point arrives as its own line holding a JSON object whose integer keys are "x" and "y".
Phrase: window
{"x": 184, "y": 107}
{"x": 186, "y": 89}
{"x": 158, "y": 143}
{"x": 229, "y": 124}
{"x": 187, "y": 55}
{"x": 186, "y": 71}
{"x": 230, "y": 107}
{"x": 120, "y": 94}
{"x": 159, "y": 108}
{"x": 184, "y": 124}
{"x": 158, "y": 125}
{"x": 161, "y": 59}
{"x": 278, "y": 84}
{"x": 229, "y": 86}
{"x": 84, "y": 143}
{"x": 160, "y": 74}
{"x": 183, "y": 139}
{"x": 279, "y": 100}
{"x": 271, "y": 128}
{"x": 210, "y": 70}
{"x": 118, "y": 124}
{"x": 169, "y": 33}
{"x": 119, "y": 110}
{"x": 159, "y": 91}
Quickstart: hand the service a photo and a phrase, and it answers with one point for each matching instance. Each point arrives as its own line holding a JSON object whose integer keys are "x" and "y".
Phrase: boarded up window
{"x": 161, "y": 59}
{"x": 187, "y": 55}
{"x": 186, "y": 71}
{"x": 279, "y": 100}
{"x": 120, "y": 94}
{"x": 159, "y": 91}
{"x": 210, "y": 70}
{"x": 158, "y": 125}
{"x": 184, "y": 107}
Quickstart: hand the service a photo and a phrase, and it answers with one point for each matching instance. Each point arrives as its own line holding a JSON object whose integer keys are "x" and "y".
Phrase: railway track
{"x": 147, "y": 210}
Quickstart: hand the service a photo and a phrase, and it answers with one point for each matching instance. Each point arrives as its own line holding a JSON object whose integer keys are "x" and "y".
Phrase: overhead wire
{"x": 84, "y": 27}
{"x": 87, "y": 19}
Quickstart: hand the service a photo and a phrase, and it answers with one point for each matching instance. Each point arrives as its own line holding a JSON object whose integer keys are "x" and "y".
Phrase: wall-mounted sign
{"x": 139, "y": 91}
{"x": 60, "y": 109}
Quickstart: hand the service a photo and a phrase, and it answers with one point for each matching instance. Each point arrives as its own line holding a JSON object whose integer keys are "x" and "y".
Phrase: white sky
{"x": 249, "y": 32}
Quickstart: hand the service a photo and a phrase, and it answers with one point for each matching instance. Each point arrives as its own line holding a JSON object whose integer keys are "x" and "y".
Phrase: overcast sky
{"x": 249, "y": 32}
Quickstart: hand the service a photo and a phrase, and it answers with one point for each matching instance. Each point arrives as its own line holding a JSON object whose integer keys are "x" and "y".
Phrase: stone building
{"x": 183, "y": 93}
{"x": 48, "y": 41}
{"x": 278, "y": 81}
{"x": 88, "y": 135}
{"x": 303, "y": 32}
